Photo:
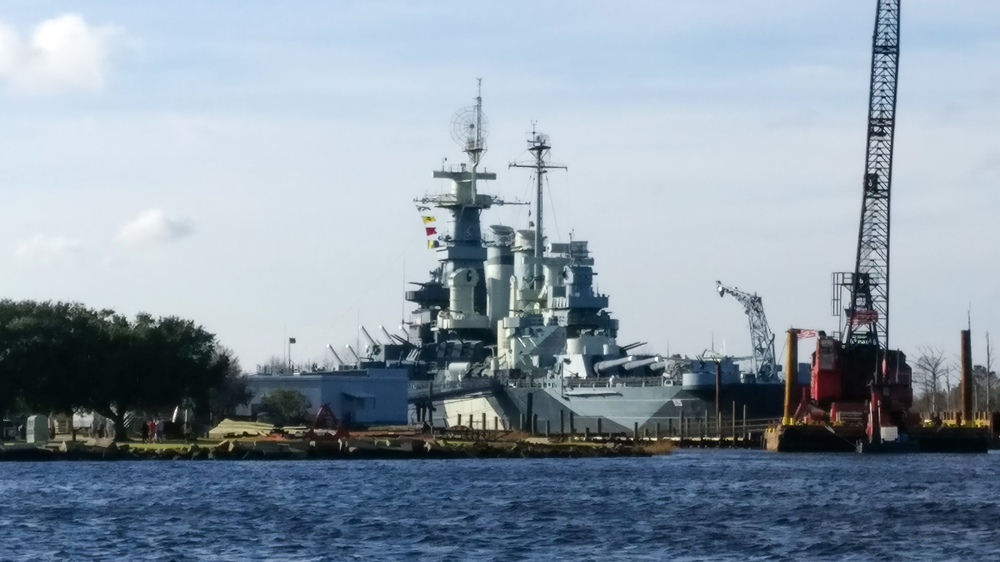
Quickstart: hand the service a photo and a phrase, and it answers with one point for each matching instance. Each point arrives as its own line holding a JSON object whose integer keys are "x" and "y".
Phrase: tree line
{"x": 58, "y": 357}
{"x": 937, "y": 383}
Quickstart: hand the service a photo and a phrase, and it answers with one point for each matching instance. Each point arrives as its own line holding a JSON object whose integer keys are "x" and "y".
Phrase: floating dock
{"x": 846, "y": 439}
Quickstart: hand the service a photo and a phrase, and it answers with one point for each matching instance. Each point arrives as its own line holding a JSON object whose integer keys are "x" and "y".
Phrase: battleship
{"x": 508, "y": 330}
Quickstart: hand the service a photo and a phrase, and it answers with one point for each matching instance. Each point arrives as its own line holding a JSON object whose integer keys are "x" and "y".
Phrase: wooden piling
{"x": 967, "y": 379}
{"x": 791, "y": 375}
{"x": 530, "y": 410}
{"x": 744, "y": 432}
{"x": 733, "y": 434}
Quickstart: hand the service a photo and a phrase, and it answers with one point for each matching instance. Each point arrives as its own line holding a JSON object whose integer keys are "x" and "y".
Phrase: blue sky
{"x": 252, "y": 165}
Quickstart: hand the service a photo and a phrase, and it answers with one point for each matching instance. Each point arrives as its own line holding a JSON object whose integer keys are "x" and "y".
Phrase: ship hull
{"x": 608, "y": 409}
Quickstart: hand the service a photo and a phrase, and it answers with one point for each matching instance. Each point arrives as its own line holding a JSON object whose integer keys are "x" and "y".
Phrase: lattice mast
{"x": 761, "y": 337}
{"x": 868, "y": 315}
{"x": 538, "y": 146}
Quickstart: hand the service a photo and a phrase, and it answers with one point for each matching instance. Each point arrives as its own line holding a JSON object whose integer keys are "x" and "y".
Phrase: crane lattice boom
{"x": 761, "y": 337}
{"x": 868, "y": 315}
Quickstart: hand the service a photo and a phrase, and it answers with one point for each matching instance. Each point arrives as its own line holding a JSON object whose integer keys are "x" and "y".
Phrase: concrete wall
{"x": 370, "y": 396}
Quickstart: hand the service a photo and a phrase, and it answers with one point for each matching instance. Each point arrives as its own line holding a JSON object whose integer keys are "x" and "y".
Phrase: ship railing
{"x": 694, "y": 430}
{"x": 423, "y": 388}
{"x": 590, "y": 382}
{"x": 686, "y": 426}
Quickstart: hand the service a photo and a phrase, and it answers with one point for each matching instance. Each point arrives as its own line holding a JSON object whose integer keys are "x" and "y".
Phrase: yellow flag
{"x": 428, "y": 219}
{"x": 432, "y": 244}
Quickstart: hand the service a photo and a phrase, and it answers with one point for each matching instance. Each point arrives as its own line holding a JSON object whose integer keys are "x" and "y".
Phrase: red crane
{"x": 860, "y": 377}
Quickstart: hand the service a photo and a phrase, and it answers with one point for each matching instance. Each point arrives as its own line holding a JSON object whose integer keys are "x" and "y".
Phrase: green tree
{"x": 285, "y": 406}
{"x": 154, "y": 365}
{"x": 46, "y": 358}
{"x": 232, "y": 392}
{"x": 63, "y": 356}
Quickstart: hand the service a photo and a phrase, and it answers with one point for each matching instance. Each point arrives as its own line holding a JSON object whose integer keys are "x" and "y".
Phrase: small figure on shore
{"x": 144, "y": 432}
{"x": 151, "y": 429}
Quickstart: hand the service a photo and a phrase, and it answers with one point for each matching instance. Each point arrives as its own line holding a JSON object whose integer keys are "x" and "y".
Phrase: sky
{"x": 253, "y": 166}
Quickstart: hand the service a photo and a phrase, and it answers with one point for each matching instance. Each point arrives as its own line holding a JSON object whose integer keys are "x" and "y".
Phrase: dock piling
{"x": 791, "y": 374}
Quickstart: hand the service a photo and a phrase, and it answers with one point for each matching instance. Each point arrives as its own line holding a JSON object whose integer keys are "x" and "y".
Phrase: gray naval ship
{"x": 509, "y": 332}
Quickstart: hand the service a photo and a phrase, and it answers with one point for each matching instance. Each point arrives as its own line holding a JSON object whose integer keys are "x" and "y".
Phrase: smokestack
{"x": 966, "y": 378}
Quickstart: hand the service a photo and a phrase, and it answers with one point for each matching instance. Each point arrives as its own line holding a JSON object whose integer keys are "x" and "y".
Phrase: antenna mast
{"x": 476, "y": 145}
{"x": 539, "y": 146}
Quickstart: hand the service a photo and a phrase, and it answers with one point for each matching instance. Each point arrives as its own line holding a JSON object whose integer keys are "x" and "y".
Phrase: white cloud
{"x": 154, "y": 226}
{"x": 46, "y": 249}
{"x": 63, "y": 53}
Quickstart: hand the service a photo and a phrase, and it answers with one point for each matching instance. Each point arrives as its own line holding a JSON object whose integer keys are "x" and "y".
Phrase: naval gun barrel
{"x": 340, "y": 362}
{"x": 633, "y": 365}
{"x": 386, "y": 333}
{"x": 368, "y": 337}
{"x": 610, "y": 364}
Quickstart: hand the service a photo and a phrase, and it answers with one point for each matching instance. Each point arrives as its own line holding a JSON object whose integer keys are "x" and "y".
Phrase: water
{"x": 746, "y": 505}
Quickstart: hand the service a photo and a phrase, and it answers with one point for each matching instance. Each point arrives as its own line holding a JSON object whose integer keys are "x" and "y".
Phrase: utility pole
{"x": 538, "y": 145}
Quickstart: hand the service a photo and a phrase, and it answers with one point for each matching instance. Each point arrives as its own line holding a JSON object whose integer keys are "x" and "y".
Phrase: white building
{"x": 365, "y": 396}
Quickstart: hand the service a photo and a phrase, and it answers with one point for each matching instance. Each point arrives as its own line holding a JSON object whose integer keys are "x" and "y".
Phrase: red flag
{"x": 803, "y": 334}
{"x": 431, "y": 231}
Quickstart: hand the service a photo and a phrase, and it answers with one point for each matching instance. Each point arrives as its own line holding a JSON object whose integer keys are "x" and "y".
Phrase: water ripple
{"x": 693, "y": 505}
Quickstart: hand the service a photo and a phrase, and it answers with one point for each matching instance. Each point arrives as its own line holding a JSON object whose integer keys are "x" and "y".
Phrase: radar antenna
{"x": 469, "y": 128}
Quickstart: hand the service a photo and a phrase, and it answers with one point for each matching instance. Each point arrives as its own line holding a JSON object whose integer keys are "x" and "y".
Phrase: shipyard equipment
{"x": 761, "y": 338}
{"x": 859, "y": 376}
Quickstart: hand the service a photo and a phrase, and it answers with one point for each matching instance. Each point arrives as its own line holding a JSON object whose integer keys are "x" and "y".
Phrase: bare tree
{"x": 932, "y": 375}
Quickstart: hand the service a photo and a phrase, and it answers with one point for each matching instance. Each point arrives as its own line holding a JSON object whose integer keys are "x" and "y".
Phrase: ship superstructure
{"x": 509, "y": 326}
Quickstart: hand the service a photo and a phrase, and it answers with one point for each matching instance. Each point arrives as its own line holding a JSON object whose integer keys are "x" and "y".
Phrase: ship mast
{"x": 539, "y": 146}
{"x": 475, "y": 144}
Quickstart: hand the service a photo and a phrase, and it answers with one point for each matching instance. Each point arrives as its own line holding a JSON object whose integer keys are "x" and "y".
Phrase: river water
{"x": 691, "y": 505}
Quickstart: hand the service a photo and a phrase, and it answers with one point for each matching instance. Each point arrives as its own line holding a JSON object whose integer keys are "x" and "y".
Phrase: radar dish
{"x": 464, "y": 128}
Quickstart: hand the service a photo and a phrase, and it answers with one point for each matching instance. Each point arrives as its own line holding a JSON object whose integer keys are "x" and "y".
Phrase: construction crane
{"x": 860, "y": 373}
{"x": 761, "y": 338}
{"x": 868, "y": 315}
